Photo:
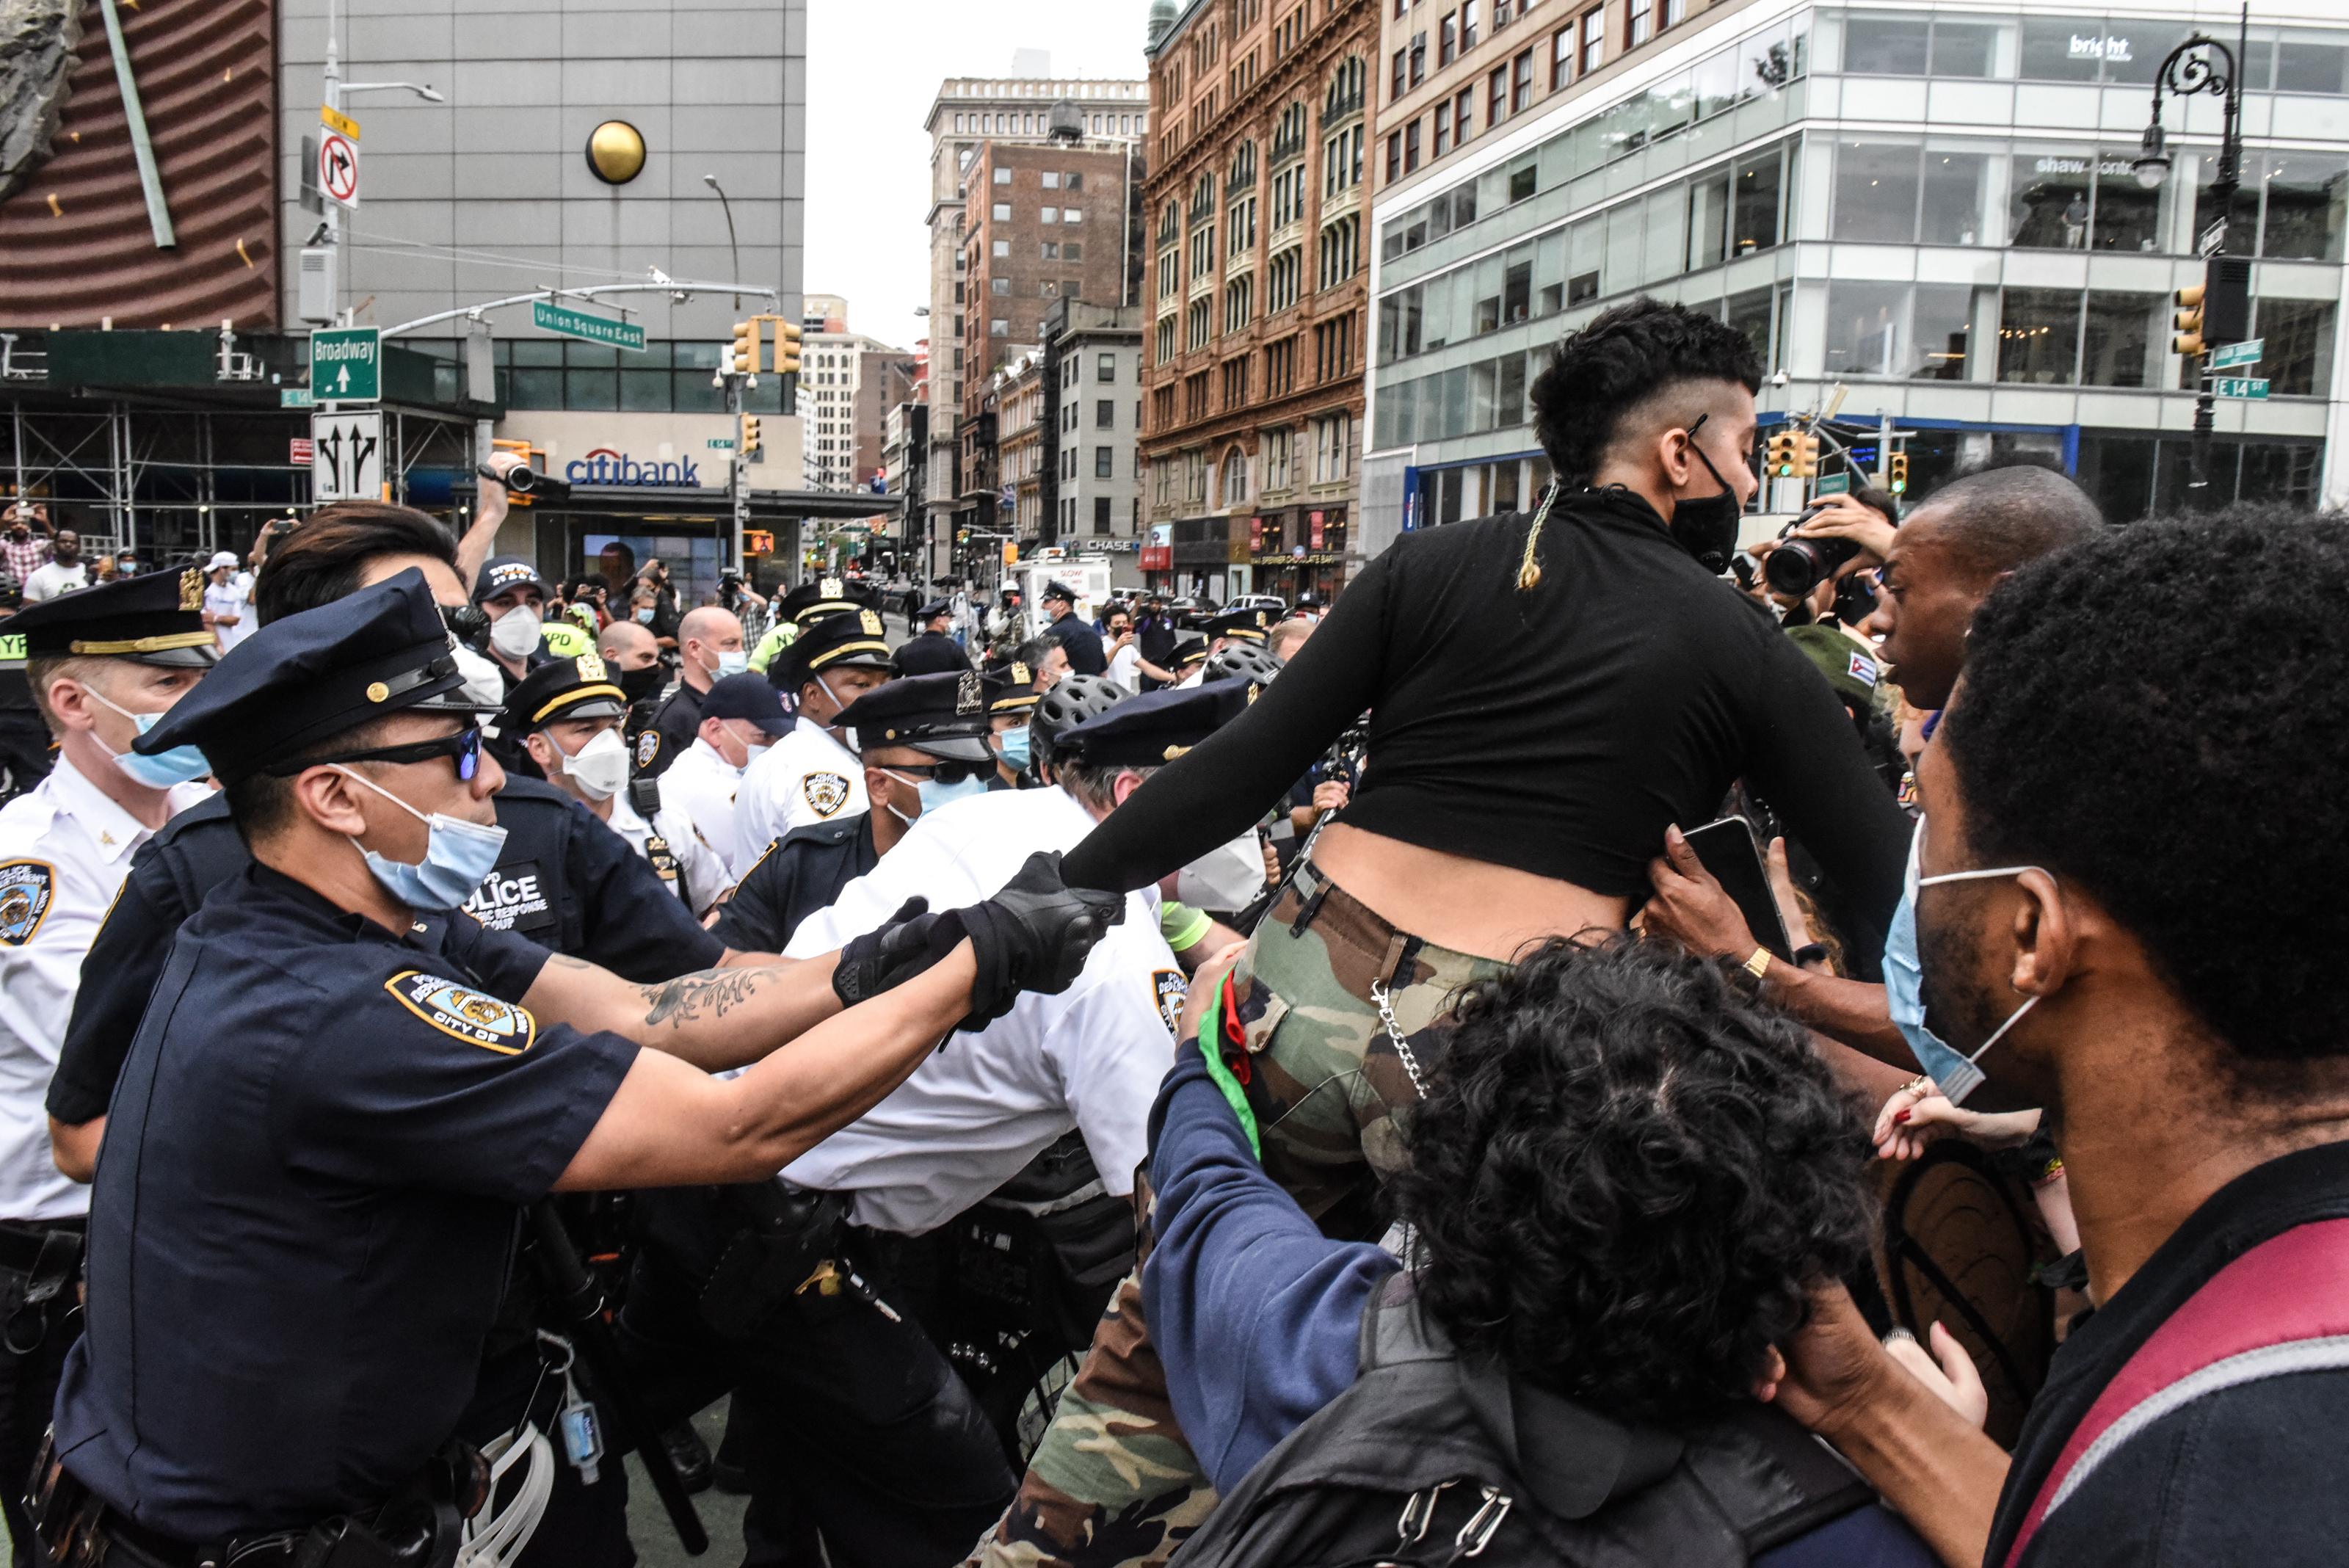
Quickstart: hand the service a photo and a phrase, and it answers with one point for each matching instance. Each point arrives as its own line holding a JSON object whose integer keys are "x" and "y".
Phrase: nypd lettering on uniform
{"x": 26, "y": 890}
{"x": 466, "y": 1013}
{"x": 1172, "y": 991}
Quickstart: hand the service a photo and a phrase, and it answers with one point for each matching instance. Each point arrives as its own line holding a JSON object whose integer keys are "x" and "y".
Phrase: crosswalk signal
{"x": 745, "y": 360}
{"x": 2189, "y": 321}
{"x": 1807, "y": 455}
{"x": 1898, "y": 480}
{"x": 1780, "y": 462}
{"x": 750, "y": 434}
{"x": 787, "y": 348}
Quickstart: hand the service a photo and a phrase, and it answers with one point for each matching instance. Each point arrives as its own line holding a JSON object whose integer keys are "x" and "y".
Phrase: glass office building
{"x": 1934, "y": 207}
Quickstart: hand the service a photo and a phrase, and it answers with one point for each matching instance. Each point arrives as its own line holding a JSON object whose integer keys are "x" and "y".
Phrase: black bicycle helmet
{"x": 1242, "y": 661}
{"x": 1076, "y": 699}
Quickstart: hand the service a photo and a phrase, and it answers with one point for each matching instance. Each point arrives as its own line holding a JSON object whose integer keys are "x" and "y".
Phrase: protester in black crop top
{"x": 1557, "y": 729}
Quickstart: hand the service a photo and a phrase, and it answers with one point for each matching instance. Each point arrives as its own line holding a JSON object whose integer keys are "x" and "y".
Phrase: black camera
{"x": 1798, "y": 566}
{"x": 530, "y": 482}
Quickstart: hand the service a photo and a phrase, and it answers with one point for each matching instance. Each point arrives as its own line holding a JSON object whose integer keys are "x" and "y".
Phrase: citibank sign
{"x": 605, "y": 466}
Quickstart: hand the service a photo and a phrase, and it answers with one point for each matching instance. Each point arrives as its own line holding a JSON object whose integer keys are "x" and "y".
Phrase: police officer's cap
{"x": 821, "y": 596}
{"x": 747, "y": 696}
{"x": 310, "y": 677}
{"x": 580, "y": 686}
{"x": 943, "y": 715}
{"x": 503, "y": 574}
{"x": 1011, "y": 686}
{"x": 935, "y": 608}
{"x": 1057, "y": 589}
{"x": 1188, "y": 652}
{"x": 852, "y": 640}
{"x": 1154, "y": 728}
{"x": 154, "y": 619}
{"x": 1244, "y": 624}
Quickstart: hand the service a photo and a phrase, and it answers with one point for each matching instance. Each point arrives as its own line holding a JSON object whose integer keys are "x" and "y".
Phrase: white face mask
{"x": 1228, "y": 877}
{"x": 600, "y": 767}
{"x": 515, "y": 633}
{"x": 482, "y": 682}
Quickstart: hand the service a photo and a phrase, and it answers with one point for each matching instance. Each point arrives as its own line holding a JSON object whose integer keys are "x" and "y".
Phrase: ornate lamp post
{"x": 2189, "y": 69}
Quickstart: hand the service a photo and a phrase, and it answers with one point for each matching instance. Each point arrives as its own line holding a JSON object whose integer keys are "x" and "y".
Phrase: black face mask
{"x": 1706, "y": 525}
{"x": 639, "y": 684}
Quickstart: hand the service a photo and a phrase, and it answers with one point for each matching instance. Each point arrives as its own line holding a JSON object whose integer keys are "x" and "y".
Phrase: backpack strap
{"x": 2280, "y": 1308}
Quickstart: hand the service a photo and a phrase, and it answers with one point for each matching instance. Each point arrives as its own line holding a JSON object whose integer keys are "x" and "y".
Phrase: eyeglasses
{"x": 946, "y": 770}
{"x": 464, "y": 745}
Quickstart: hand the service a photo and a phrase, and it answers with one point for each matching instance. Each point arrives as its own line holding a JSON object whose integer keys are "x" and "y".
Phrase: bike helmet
{"x": 1242, "y": 661}
{"x": 1075, "y": 700}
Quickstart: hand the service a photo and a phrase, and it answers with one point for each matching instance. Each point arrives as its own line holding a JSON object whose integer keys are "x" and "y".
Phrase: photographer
{"x": 748, "y": 604}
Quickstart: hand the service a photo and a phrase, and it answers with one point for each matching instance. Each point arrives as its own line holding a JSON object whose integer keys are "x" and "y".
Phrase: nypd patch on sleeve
{"x": 27, "y": 890}
{"x": 1173, "y": 990}
{"x": 472, "y": 1017}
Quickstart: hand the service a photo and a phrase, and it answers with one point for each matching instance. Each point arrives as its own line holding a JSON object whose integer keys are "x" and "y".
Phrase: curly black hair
{"x": 1626, "y": 356}
{"x": 2160, "y": 716}
{"x": 1626, "y": 1175}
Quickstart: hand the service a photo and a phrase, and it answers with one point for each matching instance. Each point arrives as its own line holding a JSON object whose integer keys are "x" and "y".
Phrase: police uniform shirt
{"x": 1082, "y": 643}
{"x": 673, "y": 728}
{"x": 313, "y": 1174}
{"x": 802, "y": 872}
{"x": 672, "y": 846}
{"x": 65, "y": 850}
{"x": 973, "y": 1113}
{"x": 702, "y": 783}
{"x": 564, "y": 880}
{"x": 804, "y": 777}
{"x": 932, "y": 653}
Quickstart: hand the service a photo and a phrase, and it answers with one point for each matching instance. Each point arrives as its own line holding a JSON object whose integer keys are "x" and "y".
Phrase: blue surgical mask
{"x": 645, "y": 616}
{"x": 936, "y": 794}
{"x": 1904, "y": 984}
{"x": 181, "y": 765}
{"x": 732, "y": 663}
{"x": 1015, "y": 747}
{"x": 457, "y": 855}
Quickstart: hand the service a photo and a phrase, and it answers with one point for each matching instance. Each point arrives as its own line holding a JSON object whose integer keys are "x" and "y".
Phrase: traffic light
{"x": 1897, "y": 480}
{"x": 787, "y": 348}
{"x": 1780, "y": 464}
{"x": 745, "y": 361}
{"x": 750, "y": 434}
{"x": 2189, "y": 321}
{"x": 1807, "y": 455}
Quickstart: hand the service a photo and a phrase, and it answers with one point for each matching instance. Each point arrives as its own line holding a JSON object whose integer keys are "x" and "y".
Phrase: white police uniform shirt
{"x": 687, "y": 852}
{"x": 702, "y": 783}
{"x": 804, "y": 777}
{"x": 65, "y": 850}
{"x": 973, "y": 1114}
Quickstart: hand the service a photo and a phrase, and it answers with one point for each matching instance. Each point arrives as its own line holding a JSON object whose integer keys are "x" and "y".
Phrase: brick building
{"x": 1258, "y": 216}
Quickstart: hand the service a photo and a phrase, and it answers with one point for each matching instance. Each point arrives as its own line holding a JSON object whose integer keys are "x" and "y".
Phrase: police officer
{"x": 1188, "y": 662}
{"x": 345, "y": 1098}
{"x": 1010, "y": 699}
{"x": 25, "y": 745}
{"x": 934, "y": 650}
{"x": 104, "y": 662}
{"x": 1247, "y": 626}
{"x": 1064, "y": 626}
{"x": 567, "y": 714}
{"x": 710, "y": 648}
{"x": 560, "y": 879}
{"x": 809, "y": 775}
{"x": 741, "y": 716}
{"x": 923, "y": 742}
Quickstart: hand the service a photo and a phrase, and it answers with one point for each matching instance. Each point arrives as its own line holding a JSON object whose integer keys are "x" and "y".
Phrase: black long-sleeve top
{"x": 1556, "y": 729}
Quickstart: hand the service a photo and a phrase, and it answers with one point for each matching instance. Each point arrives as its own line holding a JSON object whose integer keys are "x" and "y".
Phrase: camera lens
{"x": 1794, "y": 567}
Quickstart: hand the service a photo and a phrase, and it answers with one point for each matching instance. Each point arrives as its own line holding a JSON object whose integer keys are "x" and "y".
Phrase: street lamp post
{"x": 731, "y": 243}
{"x": 2184, "y": 73}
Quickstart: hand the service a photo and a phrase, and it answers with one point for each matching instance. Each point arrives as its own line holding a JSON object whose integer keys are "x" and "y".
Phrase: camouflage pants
{"x": 1114, "y": 1484}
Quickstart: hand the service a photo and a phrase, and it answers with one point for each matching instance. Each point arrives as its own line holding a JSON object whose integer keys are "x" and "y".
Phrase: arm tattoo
{"x": 684, "y": 1000}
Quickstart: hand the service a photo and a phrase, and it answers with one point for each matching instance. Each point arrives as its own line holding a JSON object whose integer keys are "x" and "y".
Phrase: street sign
{"x": 2239, "y": 353}
{"x": 346, "y": 363}
{"x": 579, "y": 324}
{"x": 294, "y": 397}
{"x": 2238, "y": 387}
{"x": 721, "y": 443}
{"x": 1832, "y": 484}
{"x": 338, "y": 168}
{"x": 303, "y": 452}
{"x": 334, "y": 119}
{"x": 347, "y": 463}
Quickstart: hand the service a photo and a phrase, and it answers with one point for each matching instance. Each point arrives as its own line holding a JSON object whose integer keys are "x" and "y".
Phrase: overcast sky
{"x": 872, "y": 70}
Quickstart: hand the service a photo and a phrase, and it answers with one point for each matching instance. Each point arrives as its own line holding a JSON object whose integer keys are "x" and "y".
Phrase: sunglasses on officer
{"x": 464, "y": 745}
{"x": 946, "y": 770}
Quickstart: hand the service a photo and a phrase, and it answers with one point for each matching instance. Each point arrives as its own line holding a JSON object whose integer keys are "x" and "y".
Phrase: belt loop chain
{"x": 1380, "y": 994}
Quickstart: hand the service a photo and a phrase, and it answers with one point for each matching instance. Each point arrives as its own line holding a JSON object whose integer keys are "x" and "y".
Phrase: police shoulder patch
{"x": 28, "y": 888}
{"x": 1173, "y": 990}
{"x": 465, "y": 1014}
{"x": 825, "y": 792}
{"x": 648, "y": 748}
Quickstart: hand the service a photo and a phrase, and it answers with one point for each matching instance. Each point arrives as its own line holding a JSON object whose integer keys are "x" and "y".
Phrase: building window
{"x": 1275, "y": 445}
{"x": 1418, "y": 58}
{"x": 1497, "y": 97}
{"x": 1333, "y": 436}
{"x": 1051, "y": 251}
{"x": 1411, "y": 146}
{"x": 1395, "y": 88}
{"x": 1165, "y": 340}
{"x": 1071, "y": 251}
{"x": 1104, "y": 463}
{"x": 1521, "y": 71}
{"x": 1106, "y": 414}
{"x": 1443, "y": 129}
{"x": 1236, "y": 382}
{"x": 1468, "y": 23}
{"x": 1640, "y": 23}
{"x": 1281, "y": 367}
{"x": 999, "y": 327}
{"x": 1447, "y": 39}
{"x": 1198, "y": 324}
{"x": 1281, "y": 280}
{"x": 1051, "y": 215}
{"x": 999, "y": 285}
{"x": 1100, "y": 513}
{"x": 1002, "y": 212}
{"x": 1106, "y": 369}
{"x": 1239, "y": 296}
{"x": 1236, "y": 474}
{"x": 1333, "y": 348}
{"x": 1561, "y": 58}
{"x": 1051, "y": 179}
{"x": 1594, "y": 39}
{"x": 1000, "y": 248}
{"x": 1463, "y": 116}
{"x": 1394, "y": 156}
{"x": 1341, "y": 241}
{"x": 1003, "y": 176}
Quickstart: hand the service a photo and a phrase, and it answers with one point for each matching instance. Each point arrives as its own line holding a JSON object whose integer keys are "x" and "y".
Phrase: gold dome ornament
{"x": 615, "y": 152}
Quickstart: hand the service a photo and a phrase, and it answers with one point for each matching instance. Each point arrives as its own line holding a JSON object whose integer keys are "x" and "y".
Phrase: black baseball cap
{"x": 747, "y": 696}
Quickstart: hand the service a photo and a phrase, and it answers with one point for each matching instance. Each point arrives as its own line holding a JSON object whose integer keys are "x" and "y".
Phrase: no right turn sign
{"x": 338, "y": 167}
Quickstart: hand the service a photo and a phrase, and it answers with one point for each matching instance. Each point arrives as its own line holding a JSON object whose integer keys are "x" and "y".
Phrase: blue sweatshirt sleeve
{"x": 1256, "y": 1313}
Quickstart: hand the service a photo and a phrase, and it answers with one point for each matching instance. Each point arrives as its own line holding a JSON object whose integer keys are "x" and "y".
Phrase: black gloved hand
{"x": 1033, "y": 935}
{"x": 909, "y": 942}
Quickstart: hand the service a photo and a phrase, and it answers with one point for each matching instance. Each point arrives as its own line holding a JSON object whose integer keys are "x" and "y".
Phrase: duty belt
{"x": 45, "y": 1254}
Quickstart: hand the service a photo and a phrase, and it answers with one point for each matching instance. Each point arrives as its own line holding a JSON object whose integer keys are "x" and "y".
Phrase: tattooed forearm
{"x": 711, "y": 993}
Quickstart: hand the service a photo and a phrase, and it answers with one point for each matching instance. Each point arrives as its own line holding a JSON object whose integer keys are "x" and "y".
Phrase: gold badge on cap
{"x": 378, "y": 691}
{"x": 1019, "y": 676}
{"x": 191, "y": 590}
{"x": 829, "y": 589}
{"x": 870, "y": 622}
{"x": 590, "y": 669}
{"x": 967, "y": 694}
